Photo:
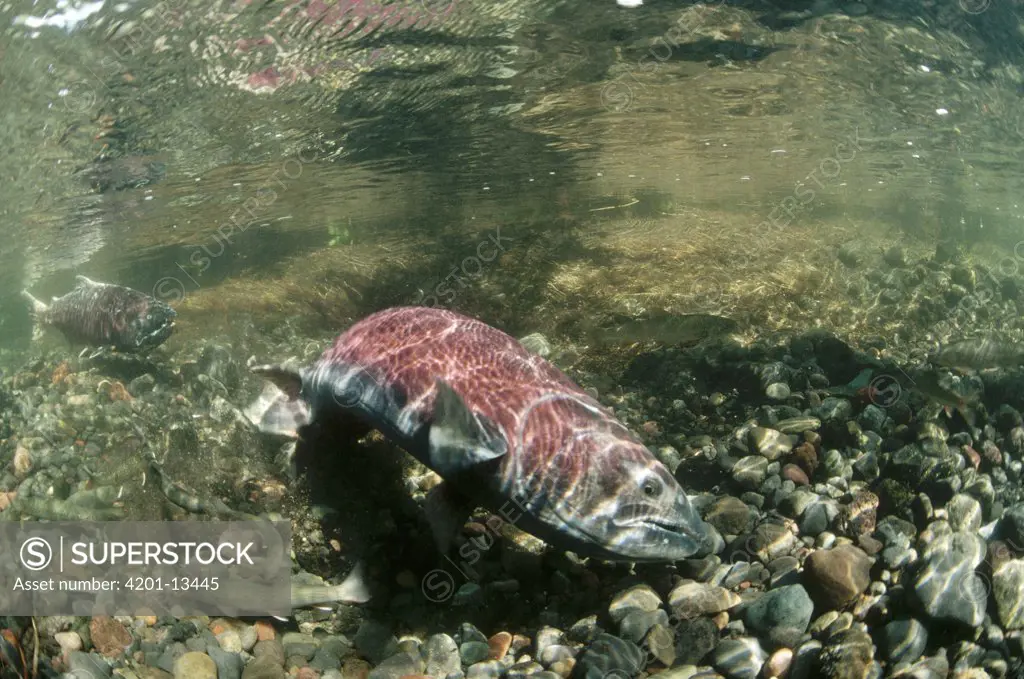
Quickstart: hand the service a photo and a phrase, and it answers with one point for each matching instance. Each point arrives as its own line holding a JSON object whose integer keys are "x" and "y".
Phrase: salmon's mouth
{"x": 682, "y": 524}
{"x": 662, "y": 527}
{"x": 665, "y": 525}
{"x": 158, "y": 335}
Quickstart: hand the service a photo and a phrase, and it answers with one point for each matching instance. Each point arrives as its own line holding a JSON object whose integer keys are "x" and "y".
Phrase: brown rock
{"x": 806, "y": 457}
{"x": 796, "y": 475}
{"x": 499, "y": 643}
{"x": 218, "y": 625}
{"x": 730, "y": 515}
{"x": 109, "y": 636}
{"x": 272, "y": 649}
{"x": 266, "y": 667}
{"x": 309, "y": 673}
{"x": 60, "y": 373}
{"x": 264, "y": 631}
{"x": 837, "y": 576}
{"x": 870, "y": 545}
{"x": 992, "y": 454}
{"x": 354, "y": 668}
{"x": 972, "y": 456}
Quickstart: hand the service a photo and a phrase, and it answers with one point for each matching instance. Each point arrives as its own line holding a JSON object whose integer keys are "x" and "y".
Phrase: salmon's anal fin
{"x": 447, "y": 512}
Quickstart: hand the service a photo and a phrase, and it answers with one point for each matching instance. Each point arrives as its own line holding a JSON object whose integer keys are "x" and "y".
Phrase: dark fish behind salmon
{"x": 104, "y": 315}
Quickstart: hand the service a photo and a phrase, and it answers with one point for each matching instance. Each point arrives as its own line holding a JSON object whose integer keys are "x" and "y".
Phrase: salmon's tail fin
{"x": 280, "y": 409}
{"x": 310, "y": 591}
{"x": 38, "y": 312}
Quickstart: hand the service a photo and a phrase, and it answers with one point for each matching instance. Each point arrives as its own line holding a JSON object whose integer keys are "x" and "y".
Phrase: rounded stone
{"x": 837, "y": 576}
{"x": 779, "y": 662}
{"x": 903, "y": 640}
{"x": 740, "y": 658}
{"x": 730, "y": 515}
{"x": 195, "y": 665}
{"x": 638, "y": 598}
{"x": 781, "y": 615}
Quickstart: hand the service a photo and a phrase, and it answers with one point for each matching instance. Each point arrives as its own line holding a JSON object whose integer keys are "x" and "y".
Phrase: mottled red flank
{"x": 534, "y": 403}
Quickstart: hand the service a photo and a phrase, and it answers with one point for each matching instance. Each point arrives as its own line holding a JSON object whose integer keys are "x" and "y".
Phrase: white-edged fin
{"x": 352, "y": 590}
{"x": 37, "y": 306}
{"x": 37, "y": 311}
{"x": 459, "y": 438}
{"x": 286, "y": 460}
{"x": 280, "y": 409}
{"x": 447, "y": 512}
{"x": 83, "y": 282}
{"x": 288, "y": 380}
{"x": 98, "y": 352}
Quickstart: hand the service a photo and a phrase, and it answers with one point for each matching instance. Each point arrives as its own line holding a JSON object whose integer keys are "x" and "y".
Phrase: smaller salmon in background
{"x": 104, "y": 315}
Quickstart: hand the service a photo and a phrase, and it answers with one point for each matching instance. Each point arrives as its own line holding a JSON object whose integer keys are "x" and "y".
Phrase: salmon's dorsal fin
{"x": 461, "y": 439}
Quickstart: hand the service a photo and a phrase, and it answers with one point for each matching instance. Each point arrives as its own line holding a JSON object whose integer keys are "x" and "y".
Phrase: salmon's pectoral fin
{"x": 280, "y": 409}
{"x": 96, "y": 352}
{"x": 447, "y": 512}
{"x": 461, "y": 439}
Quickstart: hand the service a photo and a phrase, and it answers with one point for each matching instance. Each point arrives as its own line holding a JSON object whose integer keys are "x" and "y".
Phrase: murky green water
{"x": 187, "y": 148}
